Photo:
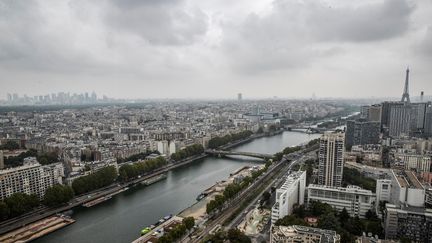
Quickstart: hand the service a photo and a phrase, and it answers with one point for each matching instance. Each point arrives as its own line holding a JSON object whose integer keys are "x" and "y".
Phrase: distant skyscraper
{"x": 402, "y": 120}
{"x": 331, "y": 160}
{"x": 375, "y": 113}
{"x": 239, "y": 96}
{"x": 405, "y": 95}
{"x": 1, "y": 160}
{"x": 362, "y": 132}
{"x": 428, "y": 121}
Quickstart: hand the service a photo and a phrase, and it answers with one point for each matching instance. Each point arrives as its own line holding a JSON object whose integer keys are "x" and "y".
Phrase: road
{"x": 235, "y": 203}
{"x": 276, "y": 183}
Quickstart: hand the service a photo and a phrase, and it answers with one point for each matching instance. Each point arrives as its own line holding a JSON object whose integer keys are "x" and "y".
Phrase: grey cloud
{"x": 296, "y": 33}
{"x": 366, "y": 23}
{"x": 158, "y": 22}
{"x": 424, "y": 48}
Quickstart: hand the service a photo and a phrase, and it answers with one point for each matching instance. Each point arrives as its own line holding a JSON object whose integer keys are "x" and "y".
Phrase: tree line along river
{"x": 121, "y": 218}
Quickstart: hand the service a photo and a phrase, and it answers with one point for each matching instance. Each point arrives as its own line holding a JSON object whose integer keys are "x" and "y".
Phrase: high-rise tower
{"x": 331, "y": 160}
{"x": 405, "y": 95}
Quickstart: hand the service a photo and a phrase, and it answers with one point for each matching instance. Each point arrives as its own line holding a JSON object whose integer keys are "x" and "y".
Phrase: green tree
{"x": 290, "y": 220}
{"x": 58, "y": 195}
{"x": 328, "y": 221}
{"x": 343, "y": 216}
{"x": 236, "y": 236}
{"x": 10, "y": 145}
{"x": 189, "y": 222}
{"x": 19, "y": 203}
{"x": 101, "y": 178}
{"x": 4, "y": 211}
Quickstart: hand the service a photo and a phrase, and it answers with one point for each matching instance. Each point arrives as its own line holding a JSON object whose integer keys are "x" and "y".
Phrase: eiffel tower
{"x": 405, "y": 95}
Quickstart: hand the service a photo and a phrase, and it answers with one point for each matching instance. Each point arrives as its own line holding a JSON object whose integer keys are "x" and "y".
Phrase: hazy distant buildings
{"x": 331, "y": 159}
{"x": 239, "y": 97}
{"x": 428, "y": 121}
{"x": 374, "y": 114}
{"x": 362, "y": 132}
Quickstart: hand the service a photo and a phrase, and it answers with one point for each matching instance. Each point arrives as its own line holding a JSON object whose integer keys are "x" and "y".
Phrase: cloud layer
{"x": 215, "y": 49}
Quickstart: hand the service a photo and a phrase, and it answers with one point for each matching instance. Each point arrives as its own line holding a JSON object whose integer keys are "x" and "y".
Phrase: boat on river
{"x": 154, "y": 179}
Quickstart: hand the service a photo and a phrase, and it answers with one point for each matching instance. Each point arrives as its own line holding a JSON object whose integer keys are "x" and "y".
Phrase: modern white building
{"x": 163, "y": 147}
{"x": 331, "y": 159}
{"x": 406, "y": 189}
{"x": 417, "y": 162}
{"x": 290, "y": 193}
{"x": 30, "y": 178}
{"x": 355, "y": 200}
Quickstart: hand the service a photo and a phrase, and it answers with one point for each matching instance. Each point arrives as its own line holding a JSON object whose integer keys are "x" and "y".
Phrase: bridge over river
{"x": 249, "y": 154}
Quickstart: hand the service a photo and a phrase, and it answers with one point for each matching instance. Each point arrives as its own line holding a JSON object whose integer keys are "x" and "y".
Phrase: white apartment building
{"x": 30, "y": 178}
{"x": 355, "y": 200}
{"x": 290, "y": 193}
{"x": 417, "y": 162}
{"x": 331, "y": 159}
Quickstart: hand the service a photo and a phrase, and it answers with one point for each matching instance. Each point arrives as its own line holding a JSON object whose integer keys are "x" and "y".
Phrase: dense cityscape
{"x": 188, "y": 121}
{"x": 366, "y": 178}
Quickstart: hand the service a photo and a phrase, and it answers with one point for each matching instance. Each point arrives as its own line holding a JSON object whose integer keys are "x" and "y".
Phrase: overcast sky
{"x": 215, "y": 48}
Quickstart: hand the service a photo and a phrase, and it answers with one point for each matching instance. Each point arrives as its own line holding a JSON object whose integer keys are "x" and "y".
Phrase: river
{"x": 121, "y": 218}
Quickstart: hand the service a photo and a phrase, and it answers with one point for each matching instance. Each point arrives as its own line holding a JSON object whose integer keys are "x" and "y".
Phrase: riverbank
{"x": 115, "y": 188}
{"x": 37, "y": 229}
{"x": 141, "y": 205}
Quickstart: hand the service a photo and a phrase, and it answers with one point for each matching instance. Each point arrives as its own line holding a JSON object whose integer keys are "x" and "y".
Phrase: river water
{"x": 122, "y": 218}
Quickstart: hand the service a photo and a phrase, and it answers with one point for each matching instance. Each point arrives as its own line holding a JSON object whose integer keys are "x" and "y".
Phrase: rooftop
{"x": 326, "y": 236}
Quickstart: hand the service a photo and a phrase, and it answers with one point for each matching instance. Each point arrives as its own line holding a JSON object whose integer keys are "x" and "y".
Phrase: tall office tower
{"x": 421, "y": 96}
{"x": 428, "y": 121}
{"x": 362, "y": 132}
{"x": 420, "y": 112}
{"x": 405, "y": 95}
{"x": 385, "y": 112}
{"x": 374, "y": 113}
{"x": 402, "y": 120}
{"x": 331, "y": 160}
{"x": 364, "y": 111}
{"x": 239, "y": 96}
{"x": 1, "y": 160}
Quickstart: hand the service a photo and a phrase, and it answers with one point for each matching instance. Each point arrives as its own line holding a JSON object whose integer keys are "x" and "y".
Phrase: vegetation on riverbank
{"x": 130, "y": 171}
{"x": 189, "y": 151}
{"x": 233, "y": 189}
{"x": 220, "y": 141}
{"x": 101, "y": 178}
{"x": 137, "y": 157}
{"x": 178, "y": 231}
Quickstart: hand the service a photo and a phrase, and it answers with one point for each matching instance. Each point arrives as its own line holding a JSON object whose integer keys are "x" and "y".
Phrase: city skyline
{"x": 261, "y": 49}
